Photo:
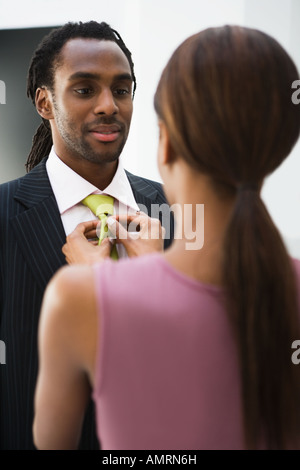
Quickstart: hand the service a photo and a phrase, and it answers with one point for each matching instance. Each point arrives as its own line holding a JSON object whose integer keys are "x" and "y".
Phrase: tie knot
{"x": 100, "y": 204}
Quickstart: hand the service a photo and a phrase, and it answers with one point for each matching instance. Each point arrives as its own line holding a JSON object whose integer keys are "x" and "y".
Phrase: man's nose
{"x": 106, "y": 103}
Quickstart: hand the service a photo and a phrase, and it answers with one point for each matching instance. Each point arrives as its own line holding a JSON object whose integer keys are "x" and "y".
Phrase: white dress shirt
{"x": 70, "y": 189}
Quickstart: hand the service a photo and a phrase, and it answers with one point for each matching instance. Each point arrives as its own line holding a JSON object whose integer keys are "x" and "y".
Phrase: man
{"x": 81, "y": 80}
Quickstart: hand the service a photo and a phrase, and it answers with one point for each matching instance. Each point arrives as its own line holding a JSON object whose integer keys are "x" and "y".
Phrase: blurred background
{"x": 151, "y": 29}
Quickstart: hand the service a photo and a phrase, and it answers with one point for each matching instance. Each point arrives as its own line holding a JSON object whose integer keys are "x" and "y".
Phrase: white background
{"x": 152, "y": 29}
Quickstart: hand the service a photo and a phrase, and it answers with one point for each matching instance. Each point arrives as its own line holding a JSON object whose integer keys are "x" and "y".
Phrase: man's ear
{"x": 167, "y": 153}
{"x": 43, "y": 103}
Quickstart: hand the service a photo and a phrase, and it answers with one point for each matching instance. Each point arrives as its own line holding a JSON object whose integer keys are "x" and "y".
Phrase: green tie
{"x": 102, "y": 206}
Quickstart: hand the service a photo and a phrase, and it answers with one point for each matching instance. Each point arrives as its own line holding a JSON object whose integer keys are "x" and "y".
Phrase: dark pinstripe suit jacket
{"x": 31, "y": 238}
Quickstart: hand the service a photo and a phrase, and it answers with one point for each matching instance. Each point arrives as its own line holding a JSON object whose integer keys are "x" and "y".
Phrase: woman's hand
{"x": 81, "y": 246}
{"x": 142, "y": 234}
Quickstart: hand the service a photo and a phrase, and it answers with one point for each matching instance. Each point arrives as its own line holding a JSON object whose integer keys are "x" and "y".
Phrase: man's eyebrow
{"x": 96, "y": 76}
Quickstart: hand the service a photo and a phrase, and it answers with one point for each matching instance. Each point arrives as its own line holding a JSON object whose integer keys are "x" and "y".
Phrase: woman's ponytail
{"x": 260, "y": 282}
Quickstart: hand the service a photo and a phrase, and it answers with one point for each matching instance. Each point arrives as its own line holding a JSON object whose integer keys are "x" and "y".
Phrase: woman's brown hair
{"x": 225, "y": 98}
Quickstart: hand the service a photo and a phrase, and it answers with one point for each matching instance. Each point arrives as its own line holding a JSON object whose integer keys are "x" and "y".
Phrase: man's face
{"x": 92, "y": 101}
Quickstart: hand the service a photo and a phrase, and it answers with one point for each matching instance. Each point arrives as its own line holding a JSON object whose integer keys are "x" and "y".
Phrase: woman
{"x": 190, "y": 349}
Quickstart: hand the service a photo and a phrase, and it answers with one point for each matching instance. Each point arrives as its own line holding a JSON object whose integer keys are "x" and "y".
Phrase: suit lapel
{"x": 38, "y": 227}
{"x": 143, "y": 192}
{"x": 155, "y": 203}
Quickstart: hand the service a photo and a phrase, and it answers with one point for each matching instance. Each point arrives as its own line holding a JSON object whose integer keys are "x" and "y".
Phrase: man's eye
{"x": 122, "y": 91}
{"x": 83, "y": 91}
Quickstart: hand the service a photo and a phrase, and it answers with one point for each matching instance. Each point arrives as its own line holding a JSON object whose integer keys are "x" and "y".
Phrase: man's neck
{"x": 98, "y": 174}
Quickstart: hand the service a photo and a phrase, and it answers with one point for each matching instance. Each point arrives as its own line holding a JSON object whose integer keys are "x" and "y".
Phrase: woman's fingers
{"x": 145, "y": 236}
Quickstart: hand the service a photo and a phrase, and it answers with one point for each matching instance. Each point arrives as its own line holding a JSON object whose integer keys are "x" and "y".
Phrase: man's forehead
{"x": 84, "y": 52}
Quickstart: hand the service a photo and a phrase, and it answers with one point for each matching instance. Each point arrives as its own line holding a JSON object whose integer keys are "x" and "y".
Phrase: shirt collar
{"x": 70, "y": 188}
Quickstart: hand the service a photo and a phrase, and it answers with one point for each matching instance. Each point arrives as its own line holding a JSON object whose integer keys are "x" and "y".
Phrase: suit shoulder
{"x": 10, "y": 187}
{"x": 141, "y": 182}
{"x": 141, "y": 179}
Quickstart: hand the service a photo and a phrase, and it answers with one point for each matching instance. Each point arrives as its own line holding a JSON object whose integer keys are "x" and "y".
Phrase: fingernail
{"x": 111, "y": 221}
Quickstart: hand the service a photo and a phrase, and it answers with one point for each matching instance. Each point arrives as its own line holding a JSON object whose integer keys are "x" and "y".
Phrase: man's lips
{"x": 106, "y": 133}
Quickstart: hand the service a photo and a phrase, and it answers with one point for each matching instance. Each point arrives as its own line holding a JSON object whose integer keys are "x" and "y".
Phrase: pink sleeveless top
{"x": 167, "y": 372}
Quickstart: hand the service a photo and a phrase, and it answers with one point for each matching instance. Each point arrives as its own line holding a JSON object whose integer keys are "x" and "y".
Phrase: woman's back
{"x": 167, "y": 374}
